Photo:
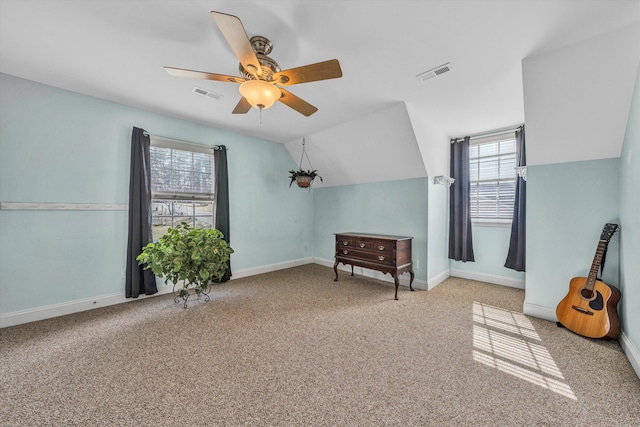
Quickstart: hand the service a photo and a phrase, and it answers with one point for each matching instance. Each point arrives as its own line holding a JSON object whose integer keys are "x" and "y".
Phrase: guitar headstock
{"x": 608, "y": 231}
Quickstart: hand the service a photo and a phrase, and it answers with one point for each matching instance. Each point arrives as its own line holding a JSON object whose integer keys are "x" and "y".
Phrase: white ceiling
{"x": 116, "y": 50}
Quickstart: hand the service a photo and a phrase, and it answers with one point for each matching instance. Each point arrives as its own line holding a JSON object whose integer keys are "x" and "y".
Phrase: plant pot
{"x": 188, "y": 257}
{"x": 304, "y": 181}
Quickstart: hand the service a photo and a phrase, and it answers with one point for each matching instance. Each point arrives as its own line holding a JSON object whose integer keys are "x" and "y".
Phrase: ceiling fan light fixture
{"x": 260, "y": 94}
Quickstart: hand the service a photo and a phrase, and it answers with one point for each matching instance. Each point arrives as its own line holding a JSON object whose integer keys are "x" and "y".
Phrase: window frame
{"x": 175, "y": 197}
{"x": 495, "y": 221}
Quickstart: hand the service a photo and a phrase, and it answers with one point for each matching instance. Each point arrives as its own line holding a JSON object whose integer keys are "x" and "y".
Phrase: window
{"x": 492, "y": 162}
{"x": 181, "y": 185}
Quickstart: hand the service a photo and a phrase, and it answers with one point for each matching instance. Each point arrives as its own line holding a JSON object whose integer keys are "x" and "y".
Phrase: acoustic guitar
{"x": 590, "y": 307}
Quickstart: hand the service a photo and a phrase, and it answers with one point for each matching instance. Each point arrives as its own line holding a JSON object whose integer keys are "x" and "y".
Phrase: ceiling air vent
{"x": 207, "y": 93}
{"x": 434, "y": 72}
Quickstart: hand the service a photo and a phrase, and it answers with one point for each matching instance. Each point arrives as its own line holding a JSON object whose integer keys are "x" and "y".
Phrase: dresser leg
{"x": 411, "y": 280}
{"x": 335, "y": 270}
{"x": 352, "y": 269}
{"x": 397, "y": 282}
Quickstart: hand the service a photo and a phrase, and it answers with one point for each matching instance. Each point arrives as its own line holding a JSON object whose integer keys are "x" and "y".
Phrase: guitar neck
{"x": 595, "y": 265}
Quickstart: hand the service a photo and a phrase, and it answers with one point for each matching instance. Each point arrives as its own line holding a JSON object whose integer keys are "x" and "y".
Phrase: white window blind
{"x": 181, "y": 172}
{"x": 181, "y": 185}
{"x": 492, "y": 164}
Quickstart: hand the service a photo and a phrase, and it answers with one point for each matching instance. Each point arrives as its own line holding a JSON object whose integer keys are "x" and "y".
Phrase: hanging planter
{"x": 303, "y": 178}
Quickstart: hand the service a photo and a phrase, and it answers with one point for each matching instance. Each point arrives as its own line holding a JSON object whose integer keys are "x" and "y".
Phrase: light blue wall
{"x": 630, "y": 222}
{"x": 568, "y": 205}
{"x": 391, "y": 207}
{"x": 60, "y": 146}
{"x": 438, "y": 233}
{"x": 490, "y": 247}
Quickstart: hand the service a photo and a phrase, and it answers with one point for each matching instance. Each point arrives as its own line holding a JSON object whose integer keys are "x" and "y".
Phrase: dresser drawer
{"x": 346, "y": 242}
{"x": 383, "y": 246}
{"x": 366, "y": 244}
{"x": 378, "y": 258}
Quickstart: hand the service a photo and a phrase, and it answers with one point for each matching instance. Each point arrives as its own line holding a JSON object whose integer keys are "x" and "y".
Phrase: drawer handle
{"x": 381, "y": 247}
{"x": 362, "y": 245}
{"x": 381, "y": 257}
{"x": 344, "y": 251}
{"x": 345, "y": 242}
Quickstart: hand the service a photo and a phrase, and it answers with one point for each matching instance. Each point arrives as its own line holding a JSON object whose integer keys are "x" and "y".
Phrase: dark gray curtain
{"x": 460, "y": 242}
{"x": 517, "y": 243}
{"x": 139, "y": 281}
{"x": 222, "y": 198}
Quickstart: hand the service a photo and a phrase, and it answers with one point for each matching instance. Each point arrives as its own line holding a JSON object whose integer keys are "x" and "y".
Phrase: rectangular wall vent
{"x": 441, "y": 69}
{"x": 207, "y": 93}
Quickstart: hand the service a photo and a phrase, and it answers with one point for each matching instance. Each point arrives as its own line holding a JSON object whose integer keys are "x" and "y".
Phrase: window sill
{"x": 500, "y": 223}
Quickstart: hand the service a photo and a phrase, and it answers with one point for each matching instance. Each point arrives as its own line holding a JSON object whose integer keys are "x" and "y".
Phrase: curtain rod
{"x": 492, "y": 133}
{"x": 215, "y": 147}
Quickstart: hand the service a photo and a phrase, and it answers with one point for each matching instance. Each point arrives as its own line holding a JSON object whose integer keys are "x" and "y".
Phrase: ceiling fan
{"x": 260, "y": 76}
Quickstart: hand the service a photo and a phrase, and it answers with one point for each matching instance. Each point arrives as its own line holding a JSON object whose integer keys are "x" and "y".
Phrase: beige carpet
{"x": 294, "y": 348}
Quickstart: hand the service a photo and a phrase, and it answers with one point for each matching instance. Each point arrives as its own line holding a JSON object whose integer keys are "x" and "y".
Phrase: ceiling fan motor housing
{"x": 262, "y": 46}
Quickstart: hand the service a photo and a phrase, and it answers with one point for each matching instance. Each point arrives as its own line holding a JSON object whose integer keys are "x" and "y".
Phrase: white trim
{"x": 62, "y": 206}
{"x": 631, "y": 352}
{"x": 70, "y": 307}
{"x": 539, "y": 311}
{"x": 270, "y": 267}
{"x": 435, "y": 281}
{"x": 403, "y": 279}
{"x": 548, "y": 313}
{"x": 492, "y": 133}
{"x": 61, "y": 309}
{"x": 176, "y": 144}
{"x": 168, "y": 195}
{"x": 329, "y": 263}
{"x": 489, "y": 278}
{"x": 502, "y": 223}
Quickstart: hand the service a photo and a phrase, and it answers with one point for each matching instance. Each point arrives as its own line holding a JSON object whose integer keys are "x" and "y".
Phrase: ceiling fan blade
{"x": 298, "y": 104}
{"x": 180, "y": 72}
{"x": 233, "y": 30}
{"x": 309, "y": 73}
{"x": 243, "y": 106}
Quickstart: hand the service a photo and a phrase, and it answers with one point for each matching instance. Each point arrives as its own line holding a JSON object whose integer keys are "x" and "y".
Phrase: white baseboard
{"x": 548, "y": 313}
{"x": 631, "y": 352}
{"x": 270, "y": 267}
{"x": 55, "y": 310}
{"x": 435, "y": 281}
{"x": 404, "y": 279}
{"x": 539, "y": 311}
{"x": 489, "y": 278}
{"x": 62, "y": 309}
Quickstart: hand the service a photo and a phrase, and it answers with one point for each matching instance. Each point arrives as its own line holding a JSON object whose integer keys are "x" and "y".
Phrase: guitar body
{"x": 591, "y": 313}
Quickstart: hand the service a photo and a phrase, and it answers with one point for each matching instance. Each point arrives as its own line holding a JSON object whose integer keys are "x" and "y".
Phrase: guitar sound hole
{"x": 586, "y": 293}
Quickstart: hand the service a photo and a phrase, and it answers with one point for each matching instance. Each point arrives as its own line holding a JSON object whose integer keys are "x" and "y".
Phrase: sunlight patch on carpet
{"x": 507, "y": 341}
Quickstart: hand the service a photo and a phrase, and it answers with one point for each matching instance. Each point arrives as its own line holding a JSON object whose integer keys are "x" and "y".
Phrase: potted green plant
{"x": 188, "y": 257}
{"x": 302, "y": 177}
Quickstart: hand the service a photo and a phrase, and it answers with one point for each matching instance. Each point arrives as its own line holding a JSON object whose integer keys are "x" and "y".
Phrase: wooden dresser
{"x": 388, "y": 254}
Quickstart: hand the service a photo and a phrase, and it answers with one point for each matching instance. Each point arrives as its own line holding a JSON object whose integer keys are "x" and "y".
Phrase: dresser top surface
{"x": 373, "y": 236}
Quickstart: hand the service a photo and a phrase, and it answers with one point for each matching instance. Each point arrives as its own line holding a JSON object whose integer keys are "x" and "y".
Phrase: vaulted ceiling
{"x": 116, "y": 50}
